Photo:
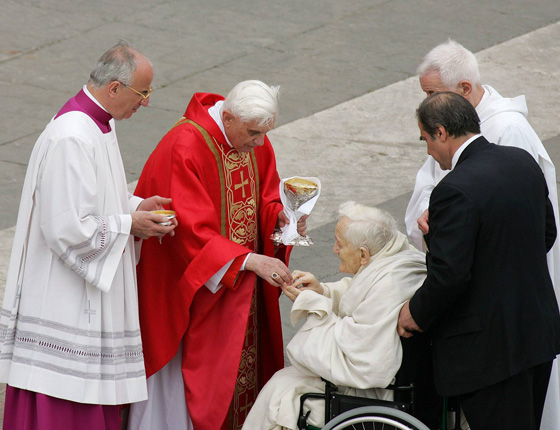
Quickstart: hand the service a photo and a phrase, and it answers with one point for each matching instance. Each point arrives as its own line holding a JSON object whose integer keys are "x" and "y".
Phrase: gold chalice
{"x": 297, "y": 192}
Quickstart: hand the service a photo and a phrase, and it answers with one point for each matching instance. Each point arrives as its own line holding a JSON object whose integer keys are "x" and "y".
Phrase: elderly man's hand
{"x": 406, "y": 325}
{"x": 423, "y": 222}
{"x": 306, "y": 281}
{"x": 272, "y": 270}
{"x": 290, "y": 291}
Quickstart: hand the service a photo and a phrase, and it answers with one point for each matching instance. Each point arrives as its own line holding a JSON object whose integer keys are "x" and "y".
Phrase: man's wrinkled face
{"x": 349, "y": 255}
{"x": 431, "y": 84}
{"x": 244, "y": 136}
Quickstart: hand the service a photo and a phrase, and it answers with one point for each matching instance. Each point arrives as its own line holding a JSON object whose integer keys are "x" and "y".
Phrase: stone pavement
{"x": 346, "y": 70}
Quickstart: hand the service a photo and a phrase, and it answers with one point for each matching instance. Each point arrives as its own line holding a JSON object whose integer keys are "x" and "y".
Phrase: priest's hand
{"x": 306, "y": 281}
{"x": 272, "y": 270}
{"x": 423, "y": 222}
{"x": 147, "y": 224}
{"x": 301, "y": 225}
{"x": 406, "y": 325}
{"x": 153, "y": 203}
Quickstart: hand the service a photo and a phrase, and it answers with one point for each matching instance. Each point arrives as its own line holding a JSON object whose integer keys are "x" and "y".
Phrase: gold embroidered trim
{"x": 212, "y": 146}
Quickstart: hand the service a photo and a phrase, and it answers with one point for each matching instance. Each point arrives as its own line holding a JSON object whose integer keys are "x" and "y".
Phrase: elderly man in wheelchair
{"x": 348, "y": 336}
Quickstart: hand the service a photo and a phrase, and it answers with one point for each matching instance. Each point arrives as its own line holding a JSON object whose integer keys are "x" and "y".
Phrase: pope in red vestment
{"x": 227, "y": 204}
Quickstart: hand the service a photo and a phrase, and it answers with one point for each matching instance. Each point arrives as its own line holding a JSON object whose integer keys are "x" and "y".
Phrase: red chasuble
{"x": 227, "y": 205}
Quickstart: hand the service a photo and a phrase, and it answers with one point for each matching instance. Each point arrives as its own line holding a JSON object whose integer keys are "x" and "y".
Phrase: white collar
{"x": 216, "y": 113}
{"x": 485, "y": 96}
{"x": 461, "y": 149}
{"x": 86, "y": 91}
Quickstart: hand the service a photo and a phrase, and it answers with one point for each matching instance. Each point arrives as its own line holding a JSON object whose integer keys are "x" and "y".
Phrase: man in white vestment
{"x": 451, "y": 67}
{"x": 348, "y": 336}
{"x": 71, "y": 351}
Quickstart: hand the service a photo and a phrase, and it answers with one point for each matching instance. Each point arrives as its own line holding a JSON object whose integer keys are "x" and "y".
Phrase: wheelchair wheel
{"x": 375, "y": 418}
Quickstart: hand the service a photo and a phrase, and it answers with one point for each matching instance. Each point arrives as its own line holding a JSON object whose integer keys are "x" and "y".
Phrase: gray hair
{"x": 368, "y": 226}
{"x": 453, "y": 62}
{"x": 117, "y": 64}
{"x": 253, "y": 101}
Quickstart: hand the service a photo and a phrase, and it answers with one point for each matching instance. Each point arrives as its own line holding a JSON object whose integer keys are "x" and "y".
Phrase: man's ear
{"x": 465, "y": 89}
{"x": 227, "y": 118}
{"x": 113, "y": 88}
{"x": 364, "y": 255}
{"x": 441, "y": 133}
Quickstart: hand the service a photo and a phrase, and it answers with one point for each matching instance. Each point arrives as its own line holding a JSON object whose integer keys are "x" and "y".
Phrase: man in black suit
{"x": 488, "y": 299}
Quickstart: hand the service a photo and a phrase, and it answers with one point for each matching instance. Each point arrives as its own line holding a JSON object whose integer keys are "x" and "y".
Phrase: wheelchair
{"x": 415, "y": 404}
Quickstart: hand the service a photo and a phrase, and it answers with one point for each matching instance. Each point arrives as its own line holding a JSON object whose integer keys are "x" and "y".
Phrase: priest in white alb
{"x": 70, "y": 346}
{"x": 348, "y": 336}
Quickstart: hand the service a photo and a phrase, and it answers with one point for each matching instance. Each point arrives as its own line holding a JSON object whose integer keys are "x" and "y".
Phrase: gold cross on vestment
{"x": 242, "y": 185}
{"x": 245, "y": 409}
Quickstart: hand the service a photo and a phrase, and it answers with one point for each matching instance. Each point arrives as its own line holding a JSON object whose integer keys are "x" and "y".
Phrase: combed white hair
{"x": 253, "y": 101}
{"x": 453, "y": 62}
{"x": 368, "y": 226}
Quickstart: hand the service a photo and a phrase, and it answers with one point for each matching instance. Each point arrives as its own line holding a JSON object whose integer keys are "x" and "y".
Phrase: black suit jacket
{"x": 488, "y": 297}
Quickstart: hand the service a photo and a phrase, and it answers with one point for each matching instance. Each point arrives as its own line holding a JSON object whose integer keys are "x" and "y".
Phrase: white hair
{"x": 253, "y": 101}
{"x": 117, "y": 64}
{"x": 453, "y": 62}
{"x": 368, "y": 226}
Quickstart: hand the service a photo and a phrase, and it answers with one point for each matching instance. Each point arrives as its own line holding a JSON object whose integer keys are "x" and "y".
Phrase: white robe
{"x": 348, "y": 338}
{"x": 69, "y": 324}
{"x": 503, "y": 122}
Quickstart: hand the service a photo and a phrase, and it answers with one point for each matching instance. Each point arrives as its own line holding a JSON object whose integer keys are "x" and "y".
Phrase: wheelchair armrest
{"x": 302, "y": 418}
{"x": 400, "y": 387}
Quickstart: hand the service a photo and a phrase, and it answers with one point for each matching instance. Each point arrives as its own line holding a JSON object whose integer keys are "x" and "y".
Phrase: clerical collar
{"x": 216, "y": 113}
{"x": 460, "y": 150}
{"x": 86, "y": 103}
{"x": 93, "y": 99}
{"x": 485, "y": 96}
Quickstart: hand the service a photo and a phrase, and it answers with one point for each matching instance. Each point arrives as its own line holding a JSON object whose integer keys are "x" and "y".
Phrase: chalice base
{"x": 299, "y": 240}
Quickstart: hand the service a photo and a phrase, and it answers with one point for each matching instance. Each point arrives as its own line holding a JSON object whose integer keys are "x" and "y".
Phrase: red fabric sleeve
{"x": 230, "y": 277}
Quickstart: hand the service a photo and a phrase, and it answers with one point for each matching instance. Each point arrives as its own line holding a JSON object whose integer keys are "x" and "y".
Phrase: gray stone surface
{"x": 322, "y": 53}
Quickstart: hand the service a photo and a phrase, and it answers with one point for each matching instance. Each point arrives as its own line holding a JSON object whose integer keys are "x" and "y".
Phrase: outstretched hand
{"x": 272, "y": 270}
{"x": 306, "y": 281}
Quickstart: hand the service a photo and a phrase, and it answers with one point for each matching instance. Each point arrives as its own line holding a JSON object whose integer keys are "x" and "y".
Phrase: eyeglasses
{"x": 144, "y": 95}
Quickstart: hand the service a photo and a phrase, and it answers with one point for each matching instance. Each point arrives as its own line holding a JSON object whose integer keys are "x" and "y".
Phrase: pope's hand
{"x": 301, "y": 225}
{"x": 272, "y": 270}
{"x": 282, "y": 219}
{"x": 306, "y": 281}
